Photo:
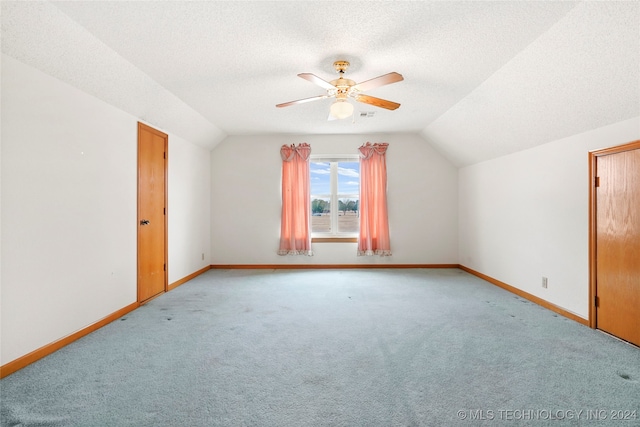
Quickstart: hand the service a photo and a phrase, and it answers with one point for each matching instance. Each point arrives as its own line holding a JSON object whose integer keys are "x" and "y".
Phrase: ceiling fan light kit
{"x": 341, "y": 109}
{"x": 342, "y": 89}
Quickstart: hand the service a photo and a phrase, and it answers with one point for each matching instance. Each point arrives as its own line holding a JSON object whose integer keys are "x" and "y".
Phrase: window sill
{"x": 334, "y": 240}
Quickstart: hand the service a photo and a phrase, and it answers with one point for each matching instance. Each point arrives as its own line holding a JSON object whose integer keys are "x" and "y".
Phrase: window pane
{"x": 348, "y": 203}
{"x": 348, "y": 177}
{"x": 320, "y": 177}
{"x": 320, "y": 214}
{"x": 348, "y": 215}
{"x": 335, "y": 185}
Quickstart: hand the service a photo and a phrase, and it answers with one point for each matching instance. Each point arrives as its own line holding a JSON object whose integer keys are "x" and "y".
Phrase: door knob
{"x": 144, "y": 222}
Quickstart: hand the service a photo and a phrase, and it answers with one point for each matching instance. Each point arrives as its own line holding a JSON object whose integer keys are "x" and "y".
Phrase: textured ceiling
{"x": 482, "y": 79}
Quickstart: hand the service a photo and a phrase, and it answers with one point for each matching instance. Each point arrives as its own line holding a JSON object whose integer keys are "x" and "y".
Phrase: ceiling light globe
{"x": 341, "y": 109}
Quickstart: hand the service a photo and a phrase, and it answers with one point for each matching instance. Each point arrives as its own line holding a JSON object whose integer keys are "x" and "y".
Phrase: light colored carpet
{"x": 363, "y": 347}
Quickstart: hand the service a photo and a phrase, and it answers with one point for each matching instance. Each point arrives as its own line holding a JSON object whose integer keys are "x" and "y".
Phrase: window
{"x": 335, "y": 204}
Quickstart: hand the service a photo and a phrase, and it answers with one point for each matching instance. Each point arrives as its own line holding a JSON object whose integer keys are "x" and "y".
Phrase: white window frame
{"x": 334, "y": 234}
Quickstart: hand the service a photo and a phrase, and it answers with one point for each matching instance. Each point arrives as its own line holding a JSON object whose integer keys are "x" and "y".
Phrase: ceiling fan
{"x": 342, "y": 89}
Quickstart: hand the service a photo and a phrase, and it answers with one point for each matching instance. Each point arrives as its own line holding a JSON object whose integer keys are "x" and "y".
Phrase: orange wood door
{"x": 618, "y": 244}
{"x": 152, "y": 196}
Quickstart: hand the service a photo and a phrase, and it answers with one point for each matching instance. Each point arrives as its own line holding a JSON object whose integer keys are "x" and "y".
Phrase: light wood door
{"x": 618, "y": 244}
{"x": 152, "y": 197}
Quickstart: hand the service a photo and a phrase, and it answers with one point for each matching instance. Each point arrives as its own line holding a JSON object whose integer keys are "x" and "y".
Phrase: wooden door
{"x": 618, "y": 244}
{"x": 152, "y": 197}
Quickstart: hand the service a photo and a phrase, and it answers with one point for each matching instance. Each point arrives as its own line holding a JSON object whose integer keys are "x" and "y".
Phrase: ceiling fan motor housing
{"x": 342, "y": 85}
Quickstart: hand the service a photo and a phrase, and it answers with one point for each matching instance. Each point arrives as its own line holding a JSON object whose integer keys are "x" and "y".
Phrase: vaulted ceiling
{"x": 481, "y": 78}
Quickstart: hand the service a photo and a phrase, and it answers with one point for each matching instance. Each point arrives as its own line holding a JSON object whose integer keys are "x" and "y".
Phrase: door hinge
{"x": 597, "y": 183}
{"x": 164, "y": 155}
{"x": 164, "y": 211}
{"x": 597, "y": 301}
{"x": 164, "y": 267}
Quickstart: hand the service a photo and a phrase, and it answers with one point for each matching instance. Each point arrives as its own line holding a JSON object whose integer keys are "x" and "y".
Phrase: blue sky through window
{"x": 348, "y": 177}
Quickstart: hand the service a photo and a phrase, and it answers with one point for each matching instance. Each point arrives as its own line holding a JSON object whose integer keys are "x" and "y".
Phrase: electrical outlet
{"x": 544, "y": 282}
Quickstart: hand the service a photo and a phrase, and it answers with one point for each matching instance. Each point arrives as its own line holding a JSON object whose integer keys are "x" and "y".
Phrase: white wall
{"x": 69, "y": 209}
{"x": 189, "y": 208}
{"x": 422, "y": 199}
{"x": 525, "y": 215}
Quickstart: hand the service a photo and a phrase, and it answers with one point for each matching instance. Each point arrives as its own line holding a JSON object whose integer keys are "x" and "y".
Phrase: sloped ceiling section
{"x": 39, "y": 34}
{"x": 581, "y": 74}
{"x": 482, "y": 78}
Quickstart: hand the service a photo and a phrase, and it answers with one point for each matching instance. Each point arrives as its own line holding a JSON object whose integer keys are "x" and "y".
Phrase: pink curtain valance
{"x": 367, "y": 150}
{"x": 290, "y": 152}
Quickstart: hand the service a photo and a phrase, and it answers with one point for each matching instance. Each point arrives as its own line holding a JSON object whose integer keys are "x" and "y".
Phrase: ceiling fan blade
{"x": 302, "y": 101}
{"x": 317, "y": 80}
{"x": 385, "y": 79}
{"x": 382, "y": 103}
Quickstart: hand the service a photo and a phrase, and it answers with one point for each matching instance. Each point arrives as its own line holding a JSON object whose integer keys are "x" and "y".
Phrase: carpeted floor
{"x": 363, "y": 347}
